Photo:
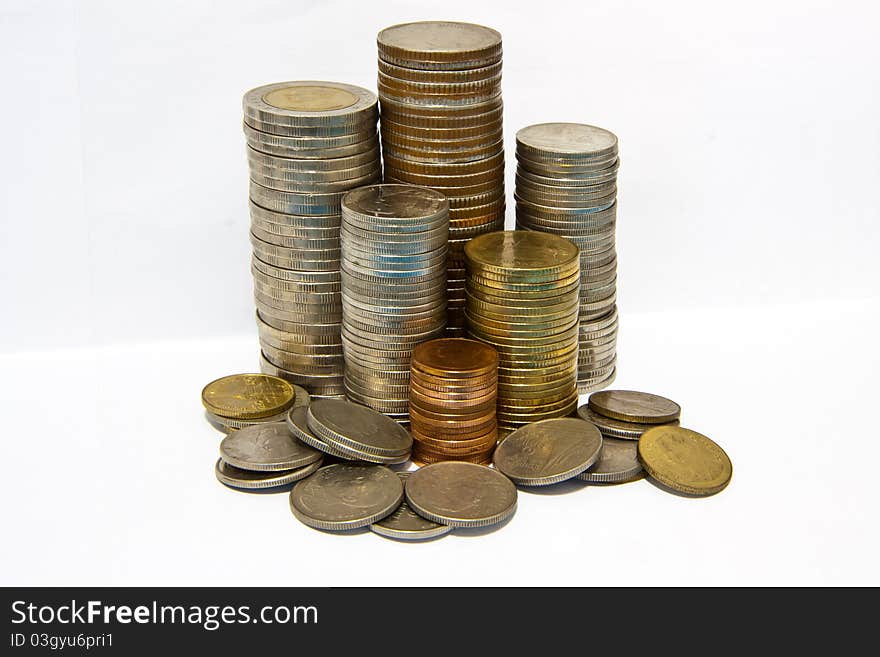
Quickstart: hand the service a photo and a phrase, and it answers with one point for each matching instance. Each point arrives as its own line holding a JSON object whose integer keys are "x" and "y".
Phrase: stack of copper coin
{"x": 441, "y": 127}
{"x": 522, "y": 298}
{"x": 452, "y": 396}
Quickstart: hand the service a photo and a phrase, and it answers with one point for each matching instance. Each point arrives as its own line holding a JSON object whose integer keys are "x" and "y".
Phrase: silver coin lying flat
{"x": 407, "y": 525}
{"x": 358, "y": 428}
{"x": 461, "y": 494}
{"x": 618, "y": 463}
{"x": 549, "y": 451}
{"x": 346, "y": 496}
{"x": 298, "y": 425}
{"x": 234, "y": 477}
{"x": 266, "y": 447}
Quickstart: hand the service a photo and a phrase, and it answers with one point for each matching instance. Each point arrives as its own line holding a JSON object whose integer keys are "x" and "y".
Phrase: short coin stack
{"x": 242, "y": 400}
{"x": 452, "y": 396}
{"x": 627, "y": 414}
{"x": 522, "y": 298}
{"x": 394, "y": 243}
{"x": 308, "y": 143}
{"x": 566, "y": 184}
{"x": 441, "y": 125}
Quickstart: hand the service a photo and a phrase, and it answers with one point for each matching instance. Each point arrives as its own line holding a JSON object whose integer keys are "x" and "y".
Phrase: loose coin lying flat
{"x": 346, "y": 496}
{"x": 461, "y": 494}
{"x": 407, "y": 525}
{"x": 549, "y": 451}
{"x": 358, "y": 427}
{"x": 618, "y": 463}
{"x": 617, "y": 428}
{"x": 266, "y": 447}
{"x": 632, "y": 406}
{"x": 250, "y": 480}
{"x": 248, "y": 396}
{"x": 684, "y": 460}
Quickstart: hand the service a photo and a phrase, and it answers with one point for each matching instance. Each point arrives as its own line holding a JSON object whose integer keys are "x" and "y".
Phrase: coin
{"x": 547, "y": 452}
{"x": 247, "y": 396}
{"x": 632, "y": 406}
{"x": 254, "y": 480}
{"x": 407, "y": 525}
{"x": 461, "y": 494}
{"x": 227, "y": 424}
{"x": 440, "y": 45}
{"x": 297, "y": 423}
{"x": 357, "y": 427}
{"x": 618, "y": 463}
{"x": 615, "y": 428}
{"x": 346, "y": 496}
{"x": 684, "y": 460}
{"x": 266, "y": 447}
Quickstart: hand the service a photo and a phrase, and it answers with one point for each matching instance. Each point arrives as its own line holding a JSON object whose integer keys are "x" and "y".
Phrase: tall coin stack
{"x": 441, "y": 126}
{"x": 394, "y": 243}
{"x": 566, "y": 184}
{"x": 522, "y": 298}
{"x": 452, "y": 396}
{"x": 308, "y": 143}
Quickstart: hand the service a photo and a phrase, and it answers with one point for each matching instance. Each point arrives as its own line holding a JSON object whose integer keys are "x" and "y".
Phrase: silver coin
{"x": 618, "y": 463}
{"x": 227, "y": 424}
{"x": 407, "y": 525}
{"x": 358, "y": 427}
{"x": 461, "y": 494}
{"x": 615, "y": 428}
{"x": 253, "y": 480}
{"x": 346, "y": 496}
{"x": 266, "y": 447}
{"x": 549, "y": 451}
{"x": 572, "y": 141}
{"x": 297, "y": 422}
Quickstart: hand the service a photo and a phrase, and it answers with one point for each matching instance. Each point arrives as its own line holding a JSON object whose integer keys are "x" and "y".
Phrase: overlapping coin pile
{"x": 522, "y": 299}
{"x": 243, "y": 400}
{"x": 441, "y": 125}
{"x": 394, "y": 243}
{"x": 452, "y": 395}
{"x": 627, "y": 414}
{"x": 566, "y": 184}
{"x": 308, "y": 143}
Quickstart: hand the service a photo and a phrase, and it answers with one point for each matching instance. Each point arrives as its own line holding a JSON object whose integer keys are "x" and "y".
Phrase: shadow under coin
{"x": 678, "y": 493}
{"x": 562, "y": 488}
{"x": 469, "y": 532}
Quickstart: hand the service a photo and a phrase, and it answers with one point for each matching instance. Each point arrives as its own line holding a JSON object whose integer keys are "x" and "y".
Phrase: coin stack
{"x": 566, "y": 184}
{"x": 394, "y": 242}
{"x": 627, "y": 414}
{"x": 308, "y": 143}
{"x": 441, "y": 126}
{"x": 522, "y": 298}
{"x": 452, "y": 395}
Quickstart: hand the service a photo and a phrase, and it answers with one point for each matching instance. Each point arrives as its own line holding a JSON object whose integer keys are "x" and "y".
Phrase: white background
{"x": 748, "y": 230}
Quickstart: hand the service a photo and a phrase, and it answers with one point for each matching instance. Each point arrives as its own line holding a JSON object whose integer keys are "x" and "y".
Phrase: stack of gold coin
{"x": 308, "y": 143}
{"x": 522, "y": 298}
{"x": 394, "y": 241}
{"x": 566, "y": 184}
{"x": 452, "y": 395}
{"x": 441, "y": 125}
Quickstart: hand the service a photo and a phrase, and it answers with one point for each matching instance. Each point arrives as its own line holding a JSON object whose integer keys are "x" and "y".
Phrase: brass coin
{"x": 248, "y": 396}
{"x": 684, "y": 460}
{"x": 632, "y": 406}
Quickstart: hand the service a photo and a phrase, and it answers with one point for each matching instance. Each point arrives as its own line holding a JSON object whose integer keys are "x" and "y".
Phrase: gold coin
{"x": 684, "y": 460}
{"x": 248, "y": 396}
{"x": 522, "y": 252}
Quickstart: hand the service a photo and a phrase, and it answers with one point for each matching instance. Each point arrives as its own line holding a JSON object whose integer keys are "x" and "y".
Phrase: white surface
{"x": 109, "y": 473}
{"x": 748, "y": 230}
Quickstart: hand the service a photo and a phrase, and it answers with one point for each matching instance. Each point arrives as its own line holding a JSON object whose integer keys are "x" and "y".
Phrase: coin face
{"x": 346, "y": 496}
{"x": 549, "y": 451}
{"x": 618, "y": 462}
{"x": 311, "y": 98}
{"x": 461, "y": 494}
{"x": 632, "y": 406}
{"x": 234, "y": 477}
{"x": 395, "y": 201}
{"x": 442, "y": 38}
{"x": 521, "y": 250}
{"x": 266, "y": 447}
{"x": 248, "y": 396}
{"x": 407, "y": 525}
{"x": 684, "y": 460}
{"x": 455, "y": 356}
{"x": 359, "y": 427}
{"x": 567, "y": 138}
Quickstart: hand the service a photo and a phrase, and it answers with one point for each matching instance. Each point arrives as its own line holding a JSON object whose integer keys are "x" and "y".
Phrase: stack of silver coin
{"x": 308, "y": 143}
{"x": 394, "y": 246}
{"x": 566, "y": 184}
{"x": 441, "y": 125}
